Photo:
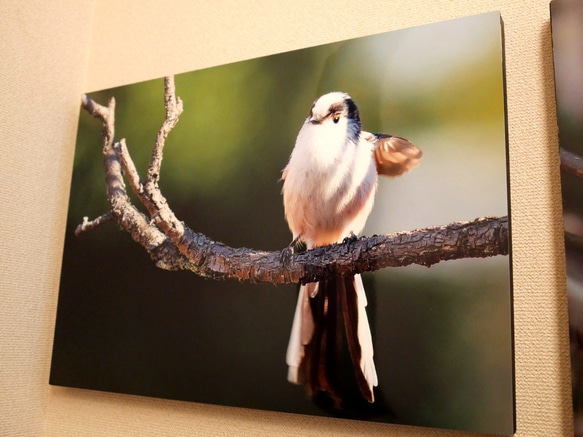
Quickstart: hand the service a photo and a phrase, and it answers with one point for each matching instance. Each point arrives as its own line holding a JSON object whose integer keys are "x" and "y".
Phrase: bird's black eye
{"x": 336, "y": 117}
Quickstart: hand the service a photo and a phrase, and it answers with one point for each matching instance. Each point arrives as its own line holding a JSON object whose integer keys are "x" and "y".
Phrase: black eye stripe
{"x": 312, "y": 109}
{"x": 353, "y": 112}
{"x": 337, "y": 107}
{"x": 347, "y": 105}
{"x": 333, "y": 113}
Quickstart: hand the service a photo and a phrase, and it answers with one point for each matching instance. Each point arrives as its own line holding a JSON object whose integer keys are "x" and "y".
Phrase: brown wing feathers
{"x": 394, "y": 155}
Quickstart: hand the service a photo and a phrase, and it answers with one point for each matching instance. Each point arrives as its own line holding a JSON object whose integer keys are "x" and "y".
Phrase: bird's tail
{"x": 331, "y": 317}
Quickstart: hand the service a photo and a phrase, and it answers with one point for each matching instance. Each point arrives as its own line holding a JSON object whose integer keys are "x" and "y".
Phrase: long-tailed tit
{"x": 328, "y": 193}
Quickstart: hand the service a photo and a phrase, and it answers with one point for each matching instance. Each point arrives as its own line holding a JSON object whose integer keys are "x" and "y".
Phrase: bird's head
{"x": 336, "y": 110}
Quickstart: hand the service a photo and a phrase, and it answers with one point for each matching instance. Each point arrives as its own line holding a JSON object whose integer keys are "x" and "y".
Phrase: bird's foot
{"x": 286, "y": 254}
{"x": 350, "y": 239}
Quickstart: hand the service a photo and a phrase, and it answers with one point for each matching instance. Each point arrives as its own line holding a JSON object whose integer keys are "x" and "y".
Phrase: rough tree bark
{"x": 173, "y": 246}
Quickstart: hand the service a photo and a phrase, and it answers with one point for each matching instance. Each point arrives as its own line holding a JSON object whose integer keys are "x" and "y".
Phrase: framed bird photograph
{"x": 322, "y": 231}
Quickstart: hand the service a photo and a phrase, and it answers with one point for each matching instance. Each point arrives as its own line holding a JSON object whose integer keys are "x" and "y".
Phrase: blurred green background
{"x": 443, "y": 339}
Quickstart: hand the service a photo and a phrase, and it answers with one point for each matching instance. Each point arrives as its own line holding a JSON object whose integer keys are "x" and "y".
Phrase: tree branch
{"x": 88, "y": 225}
{"x": 174, "y": 246}
{"x": 173, "y": 107}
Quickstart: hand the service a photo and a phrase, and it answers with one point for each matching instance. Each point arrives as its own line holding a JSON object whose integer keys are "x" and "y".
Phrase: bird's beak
{"x": 313, "y": 120}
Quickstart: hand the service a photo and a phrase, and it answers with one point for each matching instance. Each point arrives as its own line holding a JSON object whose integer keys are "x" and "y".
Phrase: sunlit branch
{"x": 174, "y": 246}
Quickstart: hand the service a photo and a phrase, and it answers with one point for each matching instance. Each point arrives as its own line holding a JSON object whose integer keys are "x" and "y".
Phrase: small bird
{"x": 329, "y": 186}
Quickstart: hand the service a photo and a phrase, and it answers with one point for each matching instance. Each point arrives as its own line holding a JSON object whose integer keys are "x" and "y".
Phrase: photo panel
{"x": 442, "y": 336}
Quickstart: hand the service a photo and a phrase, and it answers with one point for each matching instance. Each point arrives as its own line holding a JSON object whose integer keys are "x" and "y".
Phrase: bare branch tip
{"x": 85, "y": 101}
{"x": 88, "y": 225}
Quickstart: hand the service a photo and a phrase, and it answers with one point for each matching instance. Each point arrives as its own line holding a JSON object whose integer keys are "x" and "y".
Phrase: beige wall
{"x": 52, "y": 51}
